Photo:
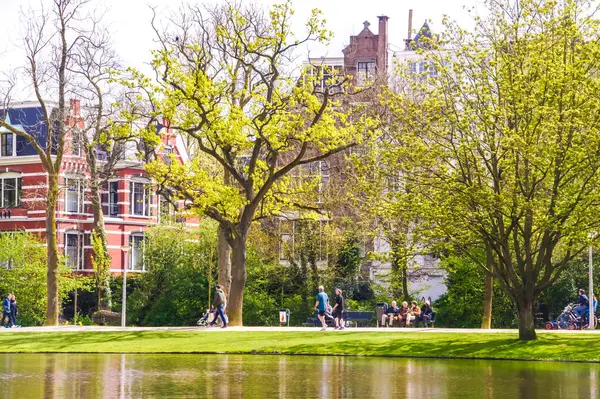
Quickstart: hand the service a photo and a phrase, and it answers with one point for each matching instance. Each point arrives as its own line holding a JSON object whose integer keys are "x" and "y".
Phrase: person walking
{"x": 219, "y": 304}
{"x": 338, "y": 310}
{"x": 321, "y": 306}
{"x": 13, "y": 310}
{"x": 6, "y": 311}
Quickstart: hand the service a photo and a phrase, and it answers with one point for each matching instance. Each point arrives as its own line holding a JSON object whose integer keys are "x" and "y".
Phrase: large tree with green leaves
{"x": 506, "y": 140}
{"x": 225, "y": 79}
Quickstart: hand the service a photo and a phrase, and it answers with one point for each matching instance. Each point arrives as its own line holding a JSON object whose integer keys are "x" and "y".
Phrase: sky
{"x": 129, "y": 22}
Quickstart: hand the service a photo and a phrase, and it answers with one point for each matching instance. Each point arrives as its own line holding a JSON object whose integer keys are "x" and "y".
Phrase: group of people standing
{"x": 405, "y": 315}
{"x": 9, "y": 311}
{"x": 322, "y": 306}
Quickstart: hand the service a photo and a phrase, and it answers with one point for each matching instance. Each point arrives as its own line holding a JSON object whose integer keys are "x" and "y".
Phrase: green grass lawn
{"x": 571, "y": 347}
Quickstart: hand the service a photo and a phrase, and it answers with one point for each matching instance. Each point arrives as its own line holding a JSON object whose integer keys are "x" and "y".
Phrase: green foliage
{"x": 101, "y": 263}
{"x": 501, "y": 143}
{"x": 564, "y": 291}
{"x": 462, "y": 304}
{"x": 174, "y": 289}
{"x": 23, "y": 273}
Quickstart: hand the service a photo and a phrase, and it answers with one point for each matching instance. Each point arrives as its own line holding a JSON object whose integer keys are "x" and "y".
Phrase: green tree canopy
{"x": 504, "y": 142}
{"x": 226, "y": 82}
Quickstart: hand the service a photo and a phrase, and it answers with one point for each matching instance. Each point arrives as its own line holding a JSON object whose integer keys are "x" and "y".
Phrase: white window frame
{"x": 18, "y": 189}
{"x": 288, "y": 238}
{"x": 365, "y": 74}
{"x": 78, "y": 263}
{"x": 14, "y": 144}
{"x": 146, "y": 198}
{"x": 136, "y": 258}
{"x": 168, "y": 150}
{"x": 110, "y": 202}
{"x": 79, "y": 184}
{"x": 76, "y": 143}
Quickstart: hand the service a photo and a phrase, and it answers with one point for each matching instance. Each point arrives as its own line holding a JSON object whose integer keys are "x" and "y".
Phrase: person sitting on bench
{"x": 413, "y": 314}
{"x": 392, "y": 313}
{"x": 426, "y": 314}
{"x": 403, "y": 313}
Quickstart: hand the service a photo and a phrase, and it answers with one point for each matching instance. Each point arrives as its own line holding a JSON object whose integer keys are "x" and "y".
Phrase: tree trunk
{"x": 238, "y": 281}
{"x": 52, "y": 305}
{"x": 486, "y": 321}
{"x": 102, "y": 260}
{"x": 526, "y": 325}
{"x": 224, "y": 251}
{"x": 224, "y": 259}
{"x": 404, "y": 272}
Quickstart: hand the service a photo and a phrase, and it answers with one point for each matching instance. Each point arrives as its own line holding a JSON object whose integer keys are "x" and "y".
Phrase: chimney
{"x": 166, "y": 124}
{"x": 409, "y": 37}
{"x": 382, "y": 44}
{"x": 75, "y": 108}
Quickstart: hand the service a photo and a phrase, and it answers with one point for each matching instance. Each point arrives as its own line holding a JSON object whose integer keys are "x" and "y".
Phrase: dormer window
{"x": 8, "y": 145}
{"x": 8, "y": 140}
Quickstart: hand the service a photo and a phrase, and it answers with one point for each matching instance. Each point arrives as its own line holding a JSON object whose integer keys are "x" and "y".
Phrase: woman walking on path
{"x": 6, "y": 311}
{"x": 338, "y": 310}
{"x": 13, "y": 310}
{"x": 219, "y": 304}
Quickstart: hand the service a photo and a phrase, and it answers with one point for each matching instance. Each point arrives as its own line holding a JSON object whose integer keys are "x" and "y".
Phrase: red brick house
{"x": 129, "y": 201}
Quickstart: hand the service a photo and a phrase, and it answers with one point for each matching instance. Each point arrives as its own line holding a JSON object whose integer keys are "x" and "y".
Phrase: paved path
{"x": 282, "y": 329}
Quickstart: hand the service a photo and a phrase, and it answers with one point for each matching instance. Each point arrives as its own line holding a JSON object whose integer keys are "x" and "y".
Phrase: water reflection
{"x": 236, "y": 376}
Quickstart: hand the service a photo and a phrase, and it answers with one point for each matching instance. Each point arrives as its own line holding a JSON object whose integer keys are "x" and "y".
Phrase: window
{"x": 76, "y": 142}
{"x": 139, "y": 198}
{"x": 136, "y": 258}
{"x": 11, "y": 192}
{"x": 303, "y": 238}
{"x": 419, "y": 68}
{"x": 74, "y": 250}
{"x": 7, "y": 145}
{"x": 113, "y": 198}
{"x": 314, "y": 175}
{"x": 167, "y": 152}
{"x": 365, "y": 71}
{"x": 74, "y": 195}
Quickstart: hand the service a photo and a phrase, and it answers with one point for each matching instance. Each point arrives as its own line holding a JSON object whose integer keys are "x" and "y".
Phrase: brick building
{"x": 367, "y": 59}
{"x": 129, "y": 202}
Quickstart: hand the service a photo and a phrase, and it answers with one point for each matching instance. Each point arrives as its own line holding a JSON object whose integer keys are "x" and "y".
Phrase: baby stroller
{"x": 208, "y": 317}
{"x": 567, "y": 320}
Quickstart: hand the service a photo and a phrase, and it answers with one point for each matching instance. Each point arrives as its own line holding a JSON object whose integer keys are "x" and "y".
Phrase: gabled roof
{"x": 423, "y": 38}
{"x": 8, "y": 122}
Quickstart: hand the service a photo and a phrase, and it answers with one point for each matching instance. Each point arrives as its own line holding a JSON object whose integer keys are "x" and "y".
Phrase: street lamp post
{"x": 591, "y": 321}
{"x": 125, "y": 250}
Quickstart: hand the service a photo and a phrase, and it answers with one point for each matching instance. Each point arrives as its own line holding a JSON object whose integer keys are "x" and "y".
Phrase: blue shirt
{"x": 6, "y": 305}
{"x": 583, "y": 300}
{"x": 322, "y": 298}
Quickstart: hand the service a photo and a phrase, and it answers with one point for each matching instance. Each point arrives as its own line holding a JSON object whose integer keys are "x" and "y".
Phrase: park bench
{"x": 358, "y": 317}
{"x": 381, "y": 307}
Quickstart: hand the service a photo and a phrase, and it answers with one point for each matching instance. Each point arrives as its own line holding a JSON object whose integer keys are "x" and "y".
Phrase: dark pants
{"x": 424, "y": 318}
{"x": 220, "y": 313}
{"x": 10, "y": 318}
{"x": 580, "y": 310}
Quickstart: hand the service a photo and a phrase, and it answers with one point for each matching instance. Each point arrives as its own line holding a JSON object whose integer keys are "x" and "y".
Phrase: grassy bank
{"x": 445, "y": 345}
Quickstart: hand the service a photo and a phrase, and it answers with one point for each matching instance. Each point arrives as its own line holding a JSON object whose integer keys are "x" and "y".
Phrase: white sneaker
{"x": 323, "y": 328}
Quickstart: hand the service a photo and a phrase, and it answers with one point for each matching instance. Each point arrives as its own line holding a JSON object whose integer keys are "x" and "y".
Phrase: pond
{"x": 237, "y": 376}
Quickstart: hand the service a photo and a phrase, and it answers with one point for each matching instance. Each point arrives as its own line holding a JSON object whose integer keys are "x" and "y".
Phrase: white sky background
{"x": 129, "y": 22}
